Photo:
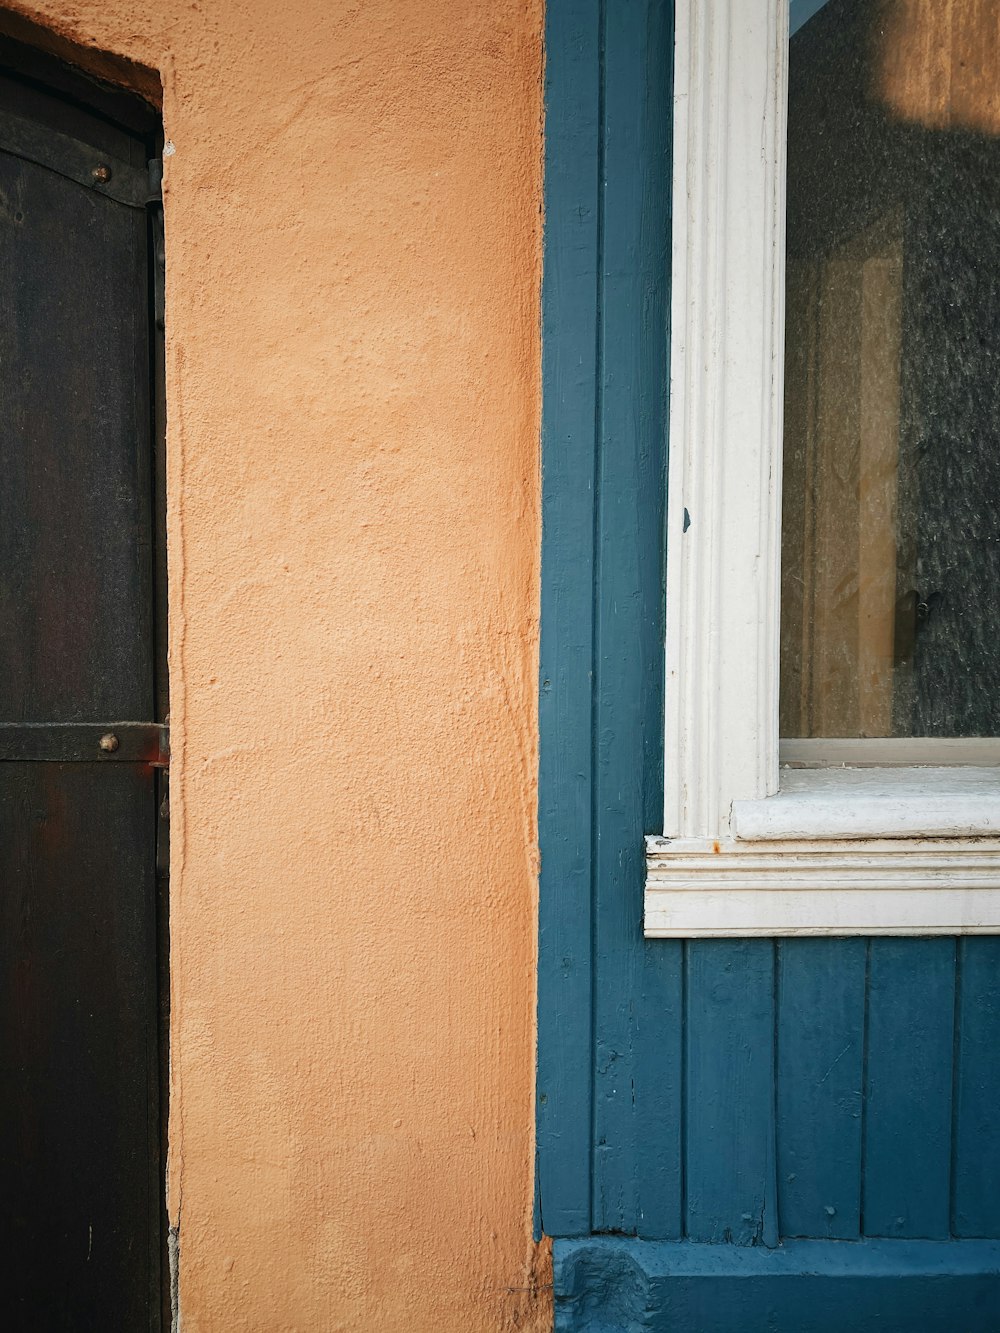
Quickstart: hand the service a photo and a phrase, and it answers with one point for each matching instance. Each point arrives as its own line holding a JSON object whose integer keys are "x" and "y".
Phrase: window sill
{"x": 853, "y": 803}
{"x": 840, "y": 852}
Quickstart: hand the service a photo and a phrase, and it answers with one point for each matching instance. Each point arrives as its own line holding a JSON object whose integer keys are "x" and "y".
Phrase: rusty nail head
{"x": 109, "y": 743}
{"x": 102, "y": 173}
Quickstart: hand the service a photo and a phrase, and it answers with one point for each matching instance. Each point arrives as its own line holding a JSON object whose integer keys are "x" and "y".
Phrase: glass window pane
{"x": 891, "y": 490}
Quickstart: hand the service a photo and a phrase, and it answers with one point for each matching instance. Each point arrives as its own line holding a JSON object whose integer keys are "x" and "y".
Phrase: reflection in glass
{"x": 891, "y": 488}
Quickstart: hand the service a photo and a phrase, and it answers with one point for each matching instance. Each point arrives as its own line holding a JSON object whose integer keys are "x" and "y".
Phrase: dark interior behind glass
{"x": 891, "y": 489}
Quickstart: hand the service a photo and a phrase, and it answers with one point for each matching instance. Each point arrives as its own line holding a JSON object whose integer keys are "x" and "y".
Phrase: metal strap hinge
{"x": 133, "y": 186}
{"x": 85, "y": 742}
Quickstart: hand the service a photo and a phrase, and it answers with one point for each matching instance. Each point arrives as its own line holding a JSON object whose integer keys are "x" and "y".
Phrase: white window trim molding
{"x": 933, "y": 887}
{"x": 727, "y": 330}
{"x": 882, "y": 852}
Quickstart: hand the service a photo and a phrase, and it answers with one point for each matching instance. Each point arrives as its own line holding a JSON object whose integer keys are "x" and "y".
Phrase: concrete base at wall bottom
{"x": 611, "y": 1284}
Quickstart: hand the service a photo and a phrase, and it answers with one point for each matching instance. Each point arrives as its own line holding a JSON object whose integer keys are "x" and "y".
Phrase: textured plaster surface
{"x": 353, "y": 239}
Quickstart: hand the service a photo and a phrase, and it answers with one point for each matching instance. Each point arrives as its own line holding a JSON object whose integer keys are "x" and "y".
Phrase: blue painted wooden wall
{"x": 708, "y": 1091}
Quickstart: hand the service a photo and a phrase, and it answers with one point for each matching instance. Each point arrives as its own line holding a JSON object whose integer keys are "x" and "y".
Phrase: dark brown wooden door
{"x": 81, "y": 692}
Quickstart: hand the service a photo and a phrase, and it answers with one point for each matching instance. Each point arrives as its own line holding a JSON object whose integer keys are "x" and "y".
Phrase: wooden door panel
{"x": 80, "y": 1062}
{"x": 75, "y": 513}
{"x": 78, "y": 1145}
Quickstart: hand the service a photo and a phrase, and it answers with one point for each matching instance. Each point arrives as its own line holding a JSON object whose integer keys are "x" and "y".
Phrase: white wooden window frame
{"x": 909, "y": 845}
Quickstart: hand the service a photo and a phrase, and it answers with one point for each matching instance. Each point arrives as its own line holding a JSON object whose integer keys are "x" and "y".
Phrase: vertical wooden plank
{"x": 729, "y": 1098}
{"x": 908, "y": 1088}
{"x": 80, "y": 1166}
{"x": 75, "y": 599}
{"x": 78, "y": 1124}
{"x": 976, "y": 1184}
{"x": 637, "y": 995}
{"x": 820, "y": 1054}
{"x": 569, "y": 369}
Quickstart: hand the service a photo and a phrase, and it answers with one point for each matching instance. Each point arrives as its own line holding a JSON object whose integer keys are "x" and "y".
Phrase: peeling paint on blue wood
{"x": 613, "y": 1285}
{"x": 820, "y": 1071}
{"x": 908, "y": 1108}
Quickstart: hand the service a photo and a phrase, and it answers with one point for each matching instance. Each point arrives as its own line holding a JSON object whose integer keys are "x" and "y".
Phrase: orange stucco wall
{"x": 353, "y": 241}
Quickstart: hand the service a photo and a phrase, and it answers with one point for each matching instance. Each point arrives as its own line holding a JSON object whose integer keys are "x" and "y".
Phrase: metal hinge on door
{"x": 85, "y": 742}
{"x": 101, "y": 743}
{"x": 80, "y": 162}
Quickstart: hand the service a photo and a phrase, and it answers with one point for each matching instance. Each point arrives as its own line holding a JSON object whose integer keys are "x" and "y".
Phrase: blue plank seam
{"x": 595, "y": 540}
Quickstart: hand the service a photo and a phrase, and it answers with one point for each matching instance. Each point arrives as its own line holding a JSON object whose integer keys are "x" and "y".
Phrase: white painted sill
{"x": 835, "y": 803}
{"x": 858, "y": 851}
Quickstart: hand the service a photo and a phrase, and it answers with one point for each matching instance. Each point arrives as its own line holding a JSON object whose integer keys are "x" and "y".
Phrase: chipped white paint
{"x": 698, "y": 888}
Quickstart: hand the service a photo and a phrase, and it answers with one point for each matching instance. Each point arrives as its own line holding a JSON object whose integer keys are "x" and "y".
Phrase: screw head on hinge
{"x": 109, "y": 743}
{"x": 101, "y": 173}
